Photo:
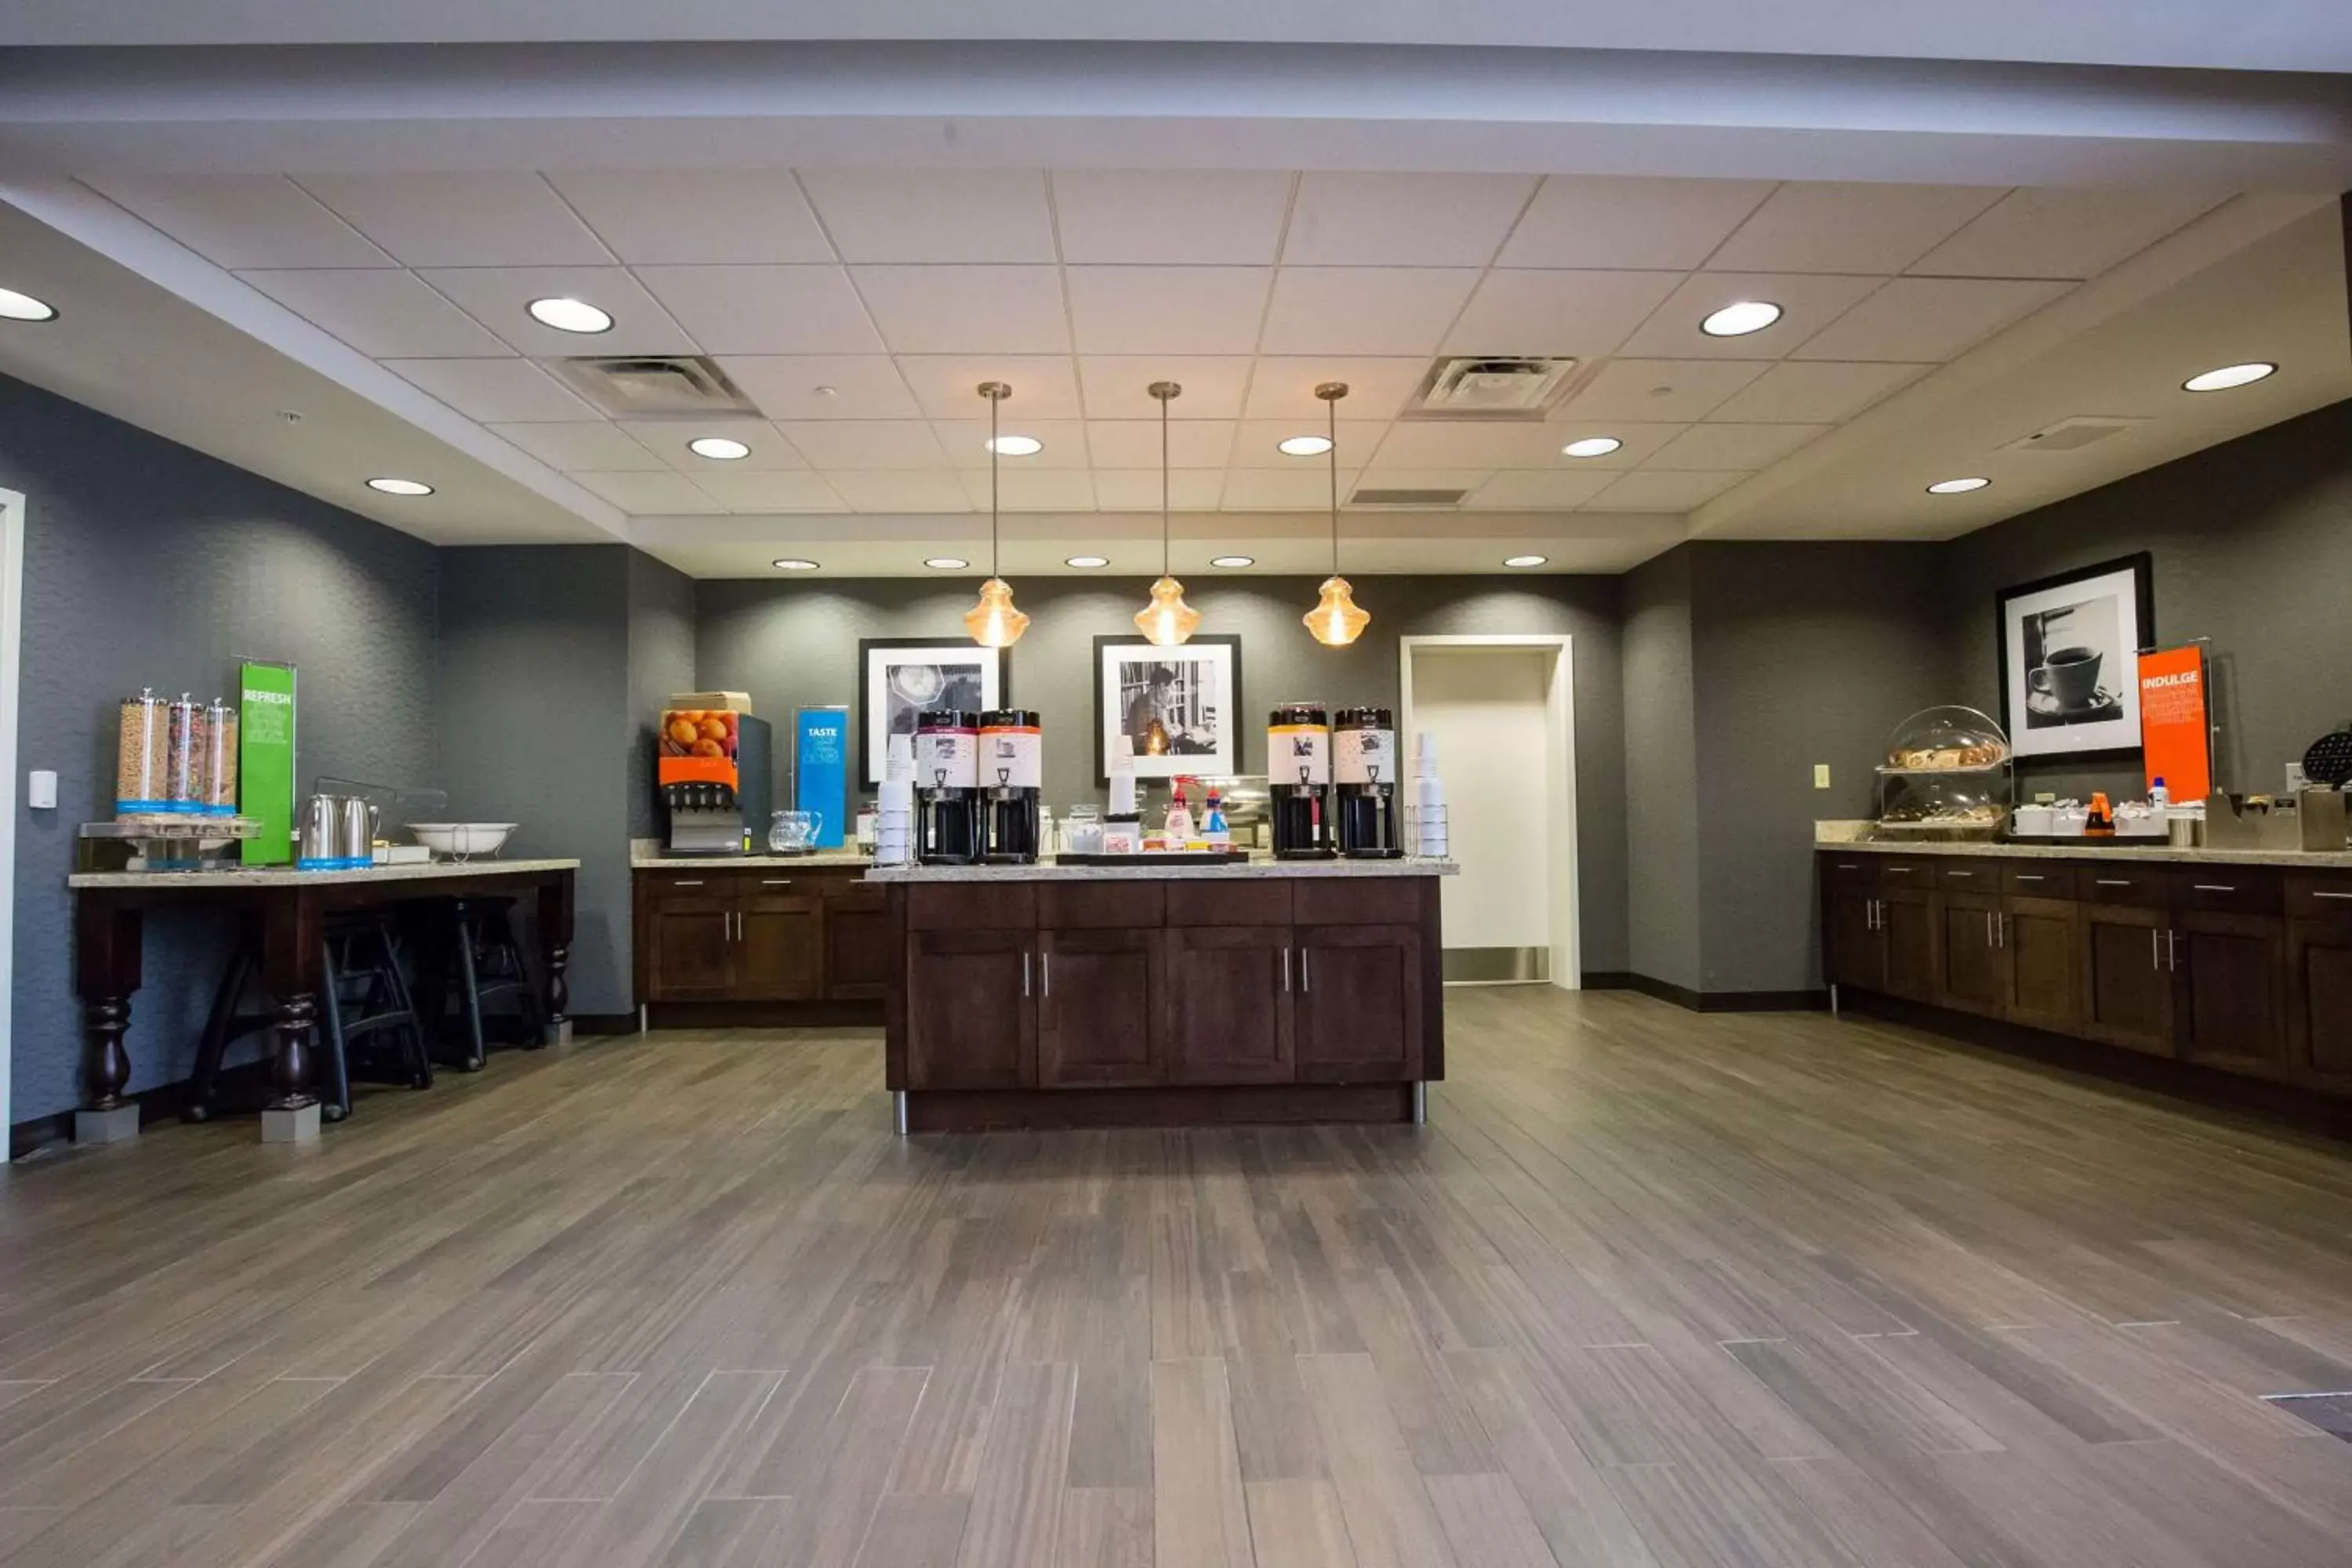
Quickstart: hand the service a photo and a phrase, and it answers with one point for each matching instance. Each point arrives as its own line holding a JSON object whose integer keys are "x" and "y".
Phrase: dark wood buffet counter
{"x": 728, "y": 940}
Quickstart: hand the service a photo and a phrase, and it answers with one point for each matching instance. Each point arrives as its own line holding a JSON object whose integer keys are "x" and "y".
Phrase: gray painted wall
{"x": 149, "y": 564}
{"x": 1663, "y": 938}
{"x": 661, "y": 661}
{"x": 796, "y": 643}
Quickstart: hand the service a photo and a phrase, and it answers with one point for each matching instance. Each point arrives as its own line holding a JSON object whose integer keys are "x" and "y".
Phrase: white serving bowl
{"x": 462, "y": 840}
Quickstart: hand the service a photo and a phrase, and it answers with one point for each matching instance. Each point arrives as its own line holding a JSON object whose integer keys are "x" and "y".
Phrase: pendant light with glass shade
{"x": 993, "y": 622}
{"x": 1334, "y": 620}
{"x": 1168, "y": 620}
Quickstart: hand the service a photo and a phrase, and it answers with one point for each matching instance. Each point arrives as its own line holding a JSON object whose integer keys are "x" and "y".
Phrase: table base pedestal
{"x": 119, "y": 1125}
{"x": 296, "y": 1126}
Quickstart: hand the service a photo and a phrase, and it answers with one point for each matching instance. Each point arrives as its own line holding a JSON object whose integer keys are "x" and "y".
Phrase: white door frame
{"x": 1559, "y": 793}
{"x": 12, "y": 629}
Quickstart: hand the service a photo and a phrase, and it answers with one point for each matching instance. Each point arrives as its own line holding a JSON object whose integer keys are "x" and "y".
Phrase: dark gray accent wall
{"x": 791, "y": 643}
{"x": 661, "y": 662}
{"x": 1661, "y": 774}
{"x": 149, "y": 564}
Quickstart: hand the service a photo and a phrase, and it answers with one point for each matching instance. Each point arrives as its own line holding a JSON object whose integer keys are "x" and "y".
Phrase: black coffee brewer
{"x": 1012, "y": 786}
{"x": 1364, "y": 784}
{"x": 1297, "y": 775}
{"x": 947, "y": 788}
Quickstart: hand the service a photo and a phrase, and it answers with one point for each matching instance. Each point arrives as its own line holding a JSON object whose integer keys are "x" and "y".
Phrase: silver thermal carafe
{"x": 1297, "y": 777}
{"x": 1012, "y": 786}
{"x": 947, "y": 787}
{"x": 1363, "y": 784}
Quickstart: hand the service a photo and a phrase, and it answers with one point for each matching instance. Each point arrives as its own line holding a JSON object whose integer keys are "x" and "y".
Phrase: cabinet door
{"x": 1906, "y": 920}
{"x": 971, "y": 1018}
{"x": 2319, "y": 995}
{"x": 1857, "y": 948}
{"x": 1229, "y": 1005}
{"x": 1099, "y": 1008}
{"x": 2231, "y": 987}
{"x": 857, "y": 945}
{"x": 2126, "y": 988}
{"x": 692, "y": 939}
{"x": 2044, "y": 948}
{"x": 1972, "y": 964}
{"x": 779, "y": 948}
{"x": 1357, "y": 1011}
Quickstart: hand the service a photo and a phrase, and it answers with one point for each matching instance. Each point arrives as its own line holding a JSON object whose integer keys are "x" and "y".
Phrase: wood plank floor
{"x": 1653, "y": 1288}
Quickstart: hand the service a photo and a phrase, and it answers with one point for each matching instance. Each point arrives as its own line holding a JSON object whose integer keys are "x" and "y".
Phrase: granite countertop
{"x": 1255, "y": 869}
{"x": 285, "y": 877}
{"x": 2096, "y": 850}
{"x": 645, "y": 856}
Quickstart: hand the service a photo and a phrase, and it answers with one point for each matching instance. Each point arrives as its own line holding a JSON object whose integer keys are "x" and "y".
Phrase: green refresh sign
{"x": 265, "y": 760}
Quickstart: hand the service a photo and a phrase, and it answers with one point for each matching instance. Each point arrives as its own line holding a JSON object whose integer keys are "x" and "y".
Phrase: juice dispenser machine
{"x": 715, "y": 772}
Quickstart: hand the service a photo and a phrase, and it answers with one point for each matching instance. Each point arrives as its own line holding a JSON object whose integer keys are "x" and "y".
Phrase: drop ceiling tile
{"x": 1364, "y": 310}
{"x": 948, "y": 386}
{"x": 502, "y": 219}
{"x": 667, "y": 439}
{"x": 1116, "y": 385}
{"x": 1284, "y": 388}
{"x": 1822, "y": 226}
{"x": 242, "y": 220}
{"x": 1639, "y": 440}
{"x": 887, "y": 490}
{"x": 1538, "y": 489}
{"x": 687, "y": 215}
{"x": 1402, "y": 219}
{"x": 1922, "y": 320}
{"x": 1808, "y": 302}
{"x": 493, "y": 389}
{"x": 2042, "y": 233}
{"x": 758, "y": 491}
{"x": 1138, "y": 490}
{"x": 1257, "y": 443}
{"x": 791, "y": 386}
{"x": 1033, "y": 489}
{"x": 499, "y": 297}
{"x": 1199, "y": 216}
{"x": 1281, "y": 490}
{"x": 1724, "y": 447}
{"x": 655, "y": 494}
{"x": 967, "y": 309}
{"x": 1135, "y": 443}
{"x": 1580, "y": 220}
{"x": 1582, "y": 315}
{"x": 1656, "y": 490}
{"x": 965, "y": 441}
{"x": 1167, "y": 309}
{"x": 765, "y": 309}
{"x": 580, "y": 446}
{"x": 1482, "y": 444}
{"x": 1817, "y": 392}
{"x": 388, "y": 314}
{"x": 830, "y": 444}
{"x": 1657, "y": 391}
{"x": 933, "y": 214}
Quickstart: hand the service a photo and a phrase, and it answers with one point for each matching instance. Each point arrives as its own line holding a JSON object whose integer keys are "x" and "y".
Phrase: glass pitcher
{"x": 794, "y": 832}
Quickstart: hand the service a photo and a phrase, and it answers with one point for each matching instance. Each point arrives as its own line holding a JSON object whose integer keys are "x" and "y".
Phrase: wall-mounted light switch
{"x": 1820, "y": 775}
{"x": 41, "y": 790}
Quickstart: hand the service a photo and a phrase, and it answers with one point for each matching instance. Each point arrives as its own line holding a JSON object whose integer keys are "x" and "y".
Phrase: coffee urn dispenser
{"x": 1364, "y": 784}
{"x": 1297, "y": 775}
{"x": 947, "y": 787}
{"x": 1012, "y": 786}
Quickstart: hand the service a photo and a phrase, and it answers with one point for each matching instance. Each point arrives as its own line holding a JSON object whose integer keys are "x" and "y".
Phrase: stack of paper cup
{"x": 1122, "y": 776}
{"x": 894, "y": 822}
{"x": 1426, "y": 832}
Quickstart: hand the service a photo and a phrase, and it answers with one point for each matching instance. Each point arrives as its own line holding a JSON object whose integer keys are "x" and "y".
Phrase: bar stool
{"x": 476, "y": 958}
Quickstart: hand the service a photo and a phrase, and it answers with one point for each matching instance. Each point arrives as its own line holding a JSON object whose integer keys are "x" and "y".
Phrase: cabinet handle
{"x": 1305, "y": 972}
{"x": 1898, "y": 870}
{"x": 1024, "y": 972}
{"x": 775, "y": 881}
{"x": 1849, "y": 867}
{"x": 2112, "y": 882}
{"x": 2024, "y": 878}
{"x": 2215, "y": 888}
{"x": 1960, "y": 876}
{"x": 697, "y": 883}
{"x": 1989, "y": 939}
{"x": 738, "y": 925}
{"x": 2172, "y": 950}
{"x": 2154, "y": 949}
{"x": 2317, "y": 893}
{"x": 1045, "y": 973}
{"x": 1285, "y": 970}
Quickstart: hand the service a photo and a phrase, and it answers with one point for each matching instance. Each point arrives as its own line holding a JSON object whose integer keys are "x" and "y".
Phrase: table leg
{"x": 106, "y": 1072}
{"x": 555, "y": 939}
{"x": 291, "y": 1067}
{"x": 106, "y": 939}
{"x": 293, "y": 967}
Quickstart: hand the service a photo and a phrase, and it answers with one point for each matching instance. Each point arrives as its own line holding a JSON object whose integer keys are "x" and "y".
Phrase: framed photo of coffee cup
{"x": 1181, "y": 706}
{"x": 2070, "y": 648}
{"x": 904, "y": 676}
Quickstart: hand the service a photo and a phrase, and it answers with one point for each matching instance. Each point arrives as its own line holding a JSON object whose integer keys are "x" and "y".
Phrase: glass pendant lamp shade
{"x": 995, "y": 622}
{"x": 1336, "y": 620}
{"x": 1168, "y": 620}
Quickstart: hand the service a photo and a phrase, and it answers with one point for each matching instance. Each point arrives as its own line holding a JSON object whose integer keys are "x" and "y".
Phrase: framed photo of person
{"x": 2070, "y": 649}
{"x": 903, "y": 676}
{"x": 1181, "y": 706}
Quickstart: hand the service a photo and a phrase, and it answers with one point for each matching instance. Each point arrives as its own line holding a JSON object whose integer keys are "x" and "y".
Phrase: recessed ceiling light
{"x": 1303, "y": 446}
{"x": 794, "y": 563}
{"x": 1525, "y": 560}
{"x": 1958, "y": 487}
{"x": 1087, "y": 561}
{"x": 724, "y": 448}
{"x": 1737, "y": 320}
{"x": 1592, "y": 447}
{"x": 566, "y": 315}
{"x": 1015, "y": 446}
{"x": 1233, "y": 561}
{"x": 947, "y": 563}
{"x": 15, "y": 307}
{"x": 2228, "y": 376}
{"x": 401, "y": 487}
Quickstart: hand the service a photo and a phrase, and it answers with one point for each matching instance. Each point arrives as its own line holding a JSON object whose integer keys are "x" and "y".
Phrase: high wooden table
{"x": 288, "y": 908}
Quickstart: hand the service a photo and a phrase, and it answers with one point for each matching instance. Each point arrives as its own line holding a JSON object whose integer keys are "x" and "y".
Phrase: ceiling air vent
{"x": 1371, "y": 497}
{"x": 669, "y": 387}
{"x": 2073, "y": 435}
{"x": 1490, "y": 386}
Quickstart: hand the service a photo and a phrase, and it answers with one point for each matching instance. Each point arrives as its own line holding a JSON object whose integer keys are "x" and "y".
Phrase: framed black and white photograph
{"x": 2070, "y": 649}
{"x": 1181, "y": 706}
{"x": 903, "y": 676}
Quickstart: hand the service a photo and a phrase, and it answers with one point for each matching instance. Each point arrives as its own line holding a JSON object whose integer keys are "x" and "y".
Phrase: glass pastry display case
{"x": 1947, "y": 773}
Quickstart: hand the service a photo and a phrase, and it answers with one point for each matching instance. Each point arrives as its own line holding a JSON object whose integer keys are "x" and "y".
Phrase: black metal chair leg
{"x": 469, "y": 998}
{"x": 204, "y": 1076}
